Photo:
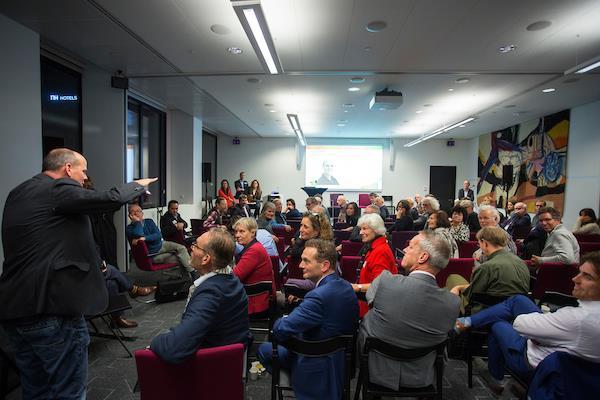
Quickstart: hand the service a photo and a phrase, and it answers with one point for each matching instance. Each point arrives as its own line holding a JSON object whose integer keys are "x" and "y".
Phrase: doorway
{"x": 442, "y": 182}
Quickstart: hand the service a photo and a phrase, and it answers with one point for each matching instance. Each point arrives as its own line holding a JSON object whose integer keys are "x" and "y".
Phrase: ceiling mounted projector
{"x": 386, "y": 100}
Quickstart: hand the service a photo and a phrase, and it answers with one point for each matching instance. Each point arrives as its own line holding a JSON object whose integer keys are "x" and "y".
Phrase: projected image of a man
{"x": 326, "y": 178}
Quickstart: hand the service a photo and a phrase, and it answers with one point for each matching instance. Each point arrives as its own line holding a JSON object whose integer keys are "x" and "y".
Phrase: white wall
{"x": 20, "y": 107}
{"x": 273, "y": 162}
{"x": 583, "y": 162}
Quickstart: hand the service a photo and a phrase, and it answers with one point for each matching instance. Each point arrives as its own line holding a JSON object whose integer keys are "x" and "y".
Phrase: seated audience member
{"x": 352, "y": 216}
{"x": 241, "y": 185}
{"x": 539, "y": 204}
{"x": 378, "y": 258}
{"x": 519, "y": 219}
{"x": 383, "y": 211}
{"x": 327, "y": 311}
{"x": 586, "y": 224}
{"x": 216, "y": 313}
{"x": 171, "y": 222}
{"x": 146, "y": 230}
{"x": 225, "y": 192}
{"x": 466, "y": 192}
{"x": 254, "y": 194}
{"x": 427, "y": 313}
{"x": 279, "y": 215}
{"x": 117, "y": 283}
{"x": 319, "y": 200}
{"x": 489, "y": 216}
{"x": 342, "y": 204}
{"x": 429, "y": 205}
{"x": 439, "y": 223}
{"x": 458, "y": 229}
{"x": 561, "y": 246}
{"x": 312, "y": 226}
{"x": 521, "y": 336}
{"x": 241, "y": 209}
{"x": 510, "y": 208}
{"x": 372, "y": 197}
{"x": 266, "y": 220}
{"x": 403, "y": 220}
{"x": 355, "y": 233}
{"x": 472, "y": 218}
{"x": 215, "y": 216}
{"x": 292, "y": 211}
{"x": 252, "y": 264}
{"x": 502, "y": 274}
{"x": 414, "y": 208}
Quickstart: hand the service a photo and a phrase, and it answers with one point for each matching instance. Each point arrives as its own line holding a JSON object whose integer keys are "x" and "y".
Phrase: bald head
{"x": 65, "y": 163}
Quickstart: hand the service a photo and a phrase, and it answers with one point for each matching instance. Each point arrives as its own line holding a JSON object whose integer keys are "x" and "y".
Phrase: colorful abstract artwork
{"x": 525, "y": 162}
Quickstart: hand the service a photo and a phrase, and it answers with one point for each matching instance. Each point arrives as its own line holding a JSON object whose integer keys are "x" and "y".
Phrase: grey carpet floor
{"x": 113, "y": 375}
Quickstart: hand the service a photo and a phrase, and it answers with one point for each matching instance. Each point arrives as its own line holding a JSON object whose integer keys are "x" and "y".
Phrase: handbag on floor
{"x": 172, "y": 290}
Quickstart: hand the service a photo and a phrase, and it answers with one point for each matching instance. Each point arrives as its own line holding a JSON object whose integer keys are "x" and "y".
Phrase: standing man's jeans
{"x": 51, "y": 354}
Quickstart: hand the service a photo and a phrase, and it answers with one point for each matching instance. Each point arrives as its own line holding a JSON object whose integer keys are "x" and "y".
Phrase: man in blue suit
{"x": 216, "y": 313}
{"x": 329, "y": 310}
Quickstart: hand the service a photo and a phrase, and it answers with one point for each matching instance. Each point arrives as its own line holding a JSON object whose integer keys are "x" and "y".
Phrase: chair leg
{"x": 469, "y": 369}
{"x": 117, "y": 334}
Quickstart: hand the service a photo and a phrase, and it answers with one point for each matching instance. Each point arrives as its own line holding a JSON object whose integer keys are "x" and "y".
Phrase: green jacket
{"x": 503, "y": 274}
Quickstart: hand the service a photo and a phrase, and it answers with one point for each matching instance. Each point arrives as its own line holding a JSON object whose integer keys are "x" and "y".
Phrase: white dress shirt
{"x": 574, "y": 330}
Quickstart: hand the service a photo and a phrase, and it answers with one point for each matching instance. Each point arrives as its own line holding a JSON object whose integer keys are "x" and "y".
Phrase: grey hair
{"x": 466, "y": 203}
{"x": 433, "y": 203}
{"x": 58, "y": 158}
{"x": 492, "y": 209}
{"x": 267, "y": 206}
{"x": 373, "y": 207}
{"x": 248, "y": 223}
{"x": 437, "y": 247}
{"x": 373, "y": 221}
{"x": 277, "y": 200}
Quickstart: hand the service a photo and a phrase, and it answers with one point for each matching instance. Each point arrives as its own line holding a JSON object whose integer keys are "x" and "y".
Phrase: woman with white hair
{"x": 378, "y": 257}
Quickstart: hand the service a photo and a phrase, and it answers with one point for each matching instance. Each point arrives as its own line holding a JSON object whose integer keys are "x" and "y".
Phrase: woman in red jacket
{"x": 252, "y": 264}
{"x": 225, "y": 192}
{"x": 379, "y": 255}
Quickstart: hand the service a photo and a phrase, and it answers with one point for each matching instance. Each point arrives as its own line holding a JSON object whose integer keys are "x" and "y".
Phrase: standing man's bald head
{"x": 65, "y": 163}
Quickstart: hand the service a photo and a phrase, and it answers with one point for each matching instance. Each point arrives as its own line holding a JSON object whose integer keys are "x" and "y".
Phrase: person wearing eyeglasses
{"x": 216, "y": 312}
{"x": 561, "y": 245}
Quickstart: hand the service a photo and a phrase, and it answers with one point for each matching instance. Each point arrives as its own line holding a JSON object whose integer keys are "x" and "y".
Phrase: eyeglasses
{"x": 195, "y": 246}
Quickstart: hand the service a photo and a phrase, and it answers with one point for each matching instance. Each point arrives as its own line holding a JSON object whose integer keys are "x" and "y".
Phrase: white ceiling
{"x": 168, "y": 50}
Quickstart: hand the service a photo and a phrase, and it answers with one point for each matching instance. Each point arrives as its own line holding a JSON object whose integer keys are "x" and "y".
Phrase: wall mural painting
{"x": 525, "y": 162}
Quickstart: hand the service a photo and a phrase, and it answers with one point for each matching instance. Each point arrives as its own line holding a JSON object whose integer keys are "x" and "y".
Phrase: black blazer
{"x": 51, "y": 264}
{"x": 470, "y": 195}
{"x": 240, "y": 187}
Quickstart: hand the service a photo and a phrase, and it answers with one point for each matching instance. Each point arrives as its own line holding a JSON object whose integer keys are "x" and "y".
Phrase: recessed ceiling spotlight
{"x": 507, "y": 49}
{"x": 463, "y": 80}
{"x": 357, "y": 79}
{"x": 220, "y": 29}
{"x": 451, "y": 90}
{"x": 253, "y": 80}
{"x": 235, "y": 50}
{"x": 343, "y": 121}
{"x": 376, "y": 26}
{"x": 548, "y": 90}
{"x": 345, "y": 111}
{"x": 461, "y": 126}
{"x": 405, "y": 121}
{"x": 510, "y": 106}
{"x": 427, "y": 105}
{"x": 353, "y": 89}
{"x": 419, "y": 111}
{"x": 538, "y": 25}
{"x": 341, "y": 125}
{"x": 272, "y": 111}
{"x": 571, "y": 80}
{"x": 348, "y": 105}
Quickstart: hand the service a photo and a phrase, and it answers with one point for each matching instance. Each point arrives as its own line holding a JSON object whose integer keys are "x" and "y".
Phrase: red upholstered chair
{"x": 466, "y": 249}
{"x": 213, "y": 373}
{"x": 399, "y": 238}
{"x": 587, "y": 247}
{"x": 294, "y": 271}
{"x": 197, "y": 227}
{"x": 178, "y": 237}
{"x": 351, "y": 248}
{"x": 587, "y": 238}
{"x": 554, "y": 277}
{"x": 460, "y": 266}
{"x": 341, "y": 235}
{"x": 278, "y": 281}
{"x": 348, "y": 265}
{"x": 287, "y": 235}
{"x": 294, "y": 223}
{"x": 472, "y": 236}
{"x": 143, "y": 261}
{"x": 280, "y": 247}
{"x": 363, "y": 200}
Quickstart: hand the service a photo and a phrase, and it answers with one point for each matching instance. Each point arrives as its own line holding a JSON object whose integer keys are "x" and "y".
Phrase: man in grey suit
{"x": 410, "y": 312}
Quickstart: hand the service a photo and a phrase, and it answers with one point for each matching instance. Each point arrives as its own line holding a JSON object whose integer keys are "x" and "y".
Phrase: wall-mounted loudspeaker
{"x": 507, "y": 175}
{"x": 119, "y": 82}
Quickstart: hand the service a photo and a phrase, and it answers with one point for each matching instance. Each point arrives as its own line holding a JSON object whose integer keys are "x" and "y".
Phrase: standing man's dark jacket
{"x": 51, "y": 264}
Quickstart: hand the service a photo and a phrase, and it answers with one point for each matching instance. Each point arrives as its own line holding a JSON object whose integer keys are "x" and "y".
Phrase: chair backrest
{"x": 521, "y": 232}
{"x": 340, "y": 235}
{"x": 555, "y": 277}
{"x": 587, "y": 238}
{"x": 178, "y": 237}
{"x": 472, "y": 236}
{"x": 287, "y": 235}
{"x": 587, "y": 247}
{"x": 275, "y": 263}
{"x": 466, "y": 249}
{"x": 351, "y": 248}
{"x": 460, "y": 266}
{"x": 280, "y": 247}
{"x": 293, "y": 267}
{"x": 363, "y": 200}
{"x": 139, "y": 251}
{"x": 348, "y": 266}
{"x": 213, "y": 373}
{"x": 399, "y": 238}
{"x": 197, "y": 226}
{"x": 333, "y": 198}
